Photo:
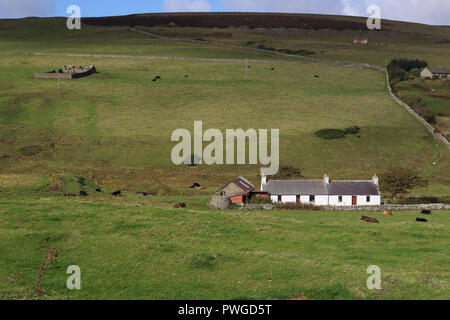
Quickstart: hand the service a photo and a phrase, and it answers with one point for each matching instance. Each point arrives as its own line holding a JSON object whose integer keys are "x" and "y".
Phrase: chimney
{"x": 263, "y": 181}
{"x": 375, "y": 179}
{"x": 326, "y": 179}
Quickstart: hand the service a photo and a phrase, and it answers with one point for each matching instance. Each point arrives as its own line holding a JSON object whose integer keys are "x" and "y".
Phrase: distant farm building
{"x": 67, "y": 72}
{"x": 435, "y": 72}
{"x": 240, "y": 190}
{"x": 360, "y": 41}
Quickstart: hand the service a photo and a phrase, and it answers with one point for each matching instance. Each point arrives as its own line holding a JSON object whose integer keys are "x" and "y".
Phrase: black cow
{"x": 421, "y": 220}
{"x": 83, "y": 193}
{"x": 117, "y": 193}
{"x": 426, "y": 211}
{"x": 98, "y": 190}
{"x": 316, "y": 76}
{"x": 156, "y": 78}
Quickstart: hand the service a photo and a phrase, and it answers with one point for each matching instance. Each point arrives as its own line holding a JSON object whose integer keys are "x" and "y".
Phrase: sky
{"x": 435, "y": 12}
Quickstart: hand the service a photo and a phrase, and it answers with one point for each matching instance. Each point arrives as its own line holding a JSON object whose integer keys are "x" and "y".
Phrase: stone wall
{"x": 429, "y": 127}
{"x": 390, "y": 207}
{"x": 220, "y": 202}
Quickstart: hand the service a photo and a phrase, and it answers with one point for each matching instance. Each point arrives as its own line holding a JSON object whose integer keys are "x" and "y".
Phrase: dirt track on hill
{"x": 307, "y": 59}
{"x": 121, "y": 56}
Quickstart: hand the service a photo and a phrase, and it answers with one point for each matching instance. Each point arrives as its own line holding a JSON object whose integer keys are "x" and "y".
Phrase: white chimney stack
{"x": 263, "y": 181}
{"x": 326, "y": 179}
{"x": 375, "y": 179}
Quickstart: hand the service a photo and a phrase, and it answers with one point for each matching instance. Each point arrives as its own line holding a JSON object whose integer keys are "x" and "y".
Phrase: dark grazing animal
{"x": 369, "y": 219}
{"x": 98, "y": 190}
{"x": 83, "y": 193}
{"x": 316, "y": 76}
{"x": 195, "y": 185}
{"x": 421, "y": 220}
{"x": 156, "y": 78}
{"x": 117, "y": 193}
{"x": 179, "y": 205}
{"x": 272, "y": 69}
{"x": 426, "y": 211}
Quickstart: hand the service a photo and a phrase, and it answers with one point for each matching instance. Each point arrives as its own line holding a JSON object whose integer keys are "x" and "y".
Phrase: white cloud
{"x": 187, "y": 5}
{"x": 304, "y": 6}
{"x": 425, "y": 11}
{"x": 25, "y": 8}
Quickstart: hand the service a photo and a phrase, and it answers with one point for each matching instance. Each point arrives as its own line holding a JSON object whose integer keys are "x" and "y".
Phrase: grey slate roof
{"x": 296, "y": 187}
{"x": 318, "y": 187}
{"x": 439, "y": 71}
{"x": 352, "y": 188}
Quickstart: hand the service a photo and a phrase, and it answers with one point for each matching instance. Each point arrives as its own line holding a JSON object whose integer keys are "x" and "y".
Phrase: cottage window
{"x": 340, "y": 199}
{"x": 367, "y": 198}
{"x": 312, "y": 198}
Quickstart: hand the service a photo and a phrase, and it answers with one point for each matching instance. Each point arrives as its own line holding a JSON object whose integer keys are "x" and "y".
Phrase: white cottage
{"x": 324, "y": 192}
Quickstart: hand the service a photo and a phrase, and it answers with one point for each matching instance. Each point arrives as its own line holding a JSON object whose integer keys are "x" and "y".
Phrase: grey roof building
{"x": 291, "y": 187}
{"x": 321, "y": 187}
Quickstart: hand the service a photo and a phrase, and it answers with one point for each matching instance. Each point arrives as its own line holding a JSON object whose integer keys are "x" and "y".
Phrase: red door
{"x": 354, "y": 201}
{"x": 298, "y": 199}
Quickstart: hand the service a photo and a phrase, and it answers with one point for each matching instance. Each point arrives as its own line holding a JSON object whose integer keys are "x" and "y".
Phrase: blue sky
{"x": 425, "y": 11}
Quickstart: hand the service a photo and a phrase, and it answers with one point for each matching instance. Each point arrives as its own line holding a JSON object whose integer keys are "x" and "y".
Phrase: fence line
{"x": 437, "y": 135}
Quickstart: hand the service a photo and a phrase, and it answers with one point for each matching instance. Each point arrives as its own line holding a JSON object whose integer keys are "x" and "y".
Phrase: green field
{"x": 114, "y": 128}
{"x": 146, "y": 250}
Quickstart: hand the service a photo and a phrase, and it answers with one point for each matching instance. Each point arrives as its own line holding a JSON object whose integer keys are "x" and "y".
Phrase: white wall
{"x": 346, "y": 201}
{"x": 323, "y": 200}
{"x": 286, "y": 199}
{"x": 426, "y": 73}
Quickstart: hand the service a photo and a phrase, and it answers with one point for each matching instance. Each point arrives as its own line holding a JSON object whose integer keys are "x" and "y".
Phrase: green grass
{"x": 119, "y": 122}
{"x": 152, "y": 251}
{"x": 114, "y": 129}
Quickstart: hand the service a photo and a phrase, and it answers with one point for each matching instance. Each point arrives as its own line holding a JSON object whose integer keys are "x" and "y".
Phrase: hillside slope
{"x": 115, "y": 126}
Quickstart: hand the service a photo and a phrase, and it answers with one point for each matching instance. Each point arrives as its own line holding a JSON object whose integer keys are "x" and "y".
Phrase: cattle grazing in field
{"x": 195, "y": 185}
{"x": 98, "y": 190}
{"x": 83, "y": 193}
{"x": 179, "y": 205}
{"x": 369, "y": 219}
{"x": 421, "y": 220}
{"x": 426, "y": 211}
{"x": 316, "y": 76}
{"x": 186, "y": 76}
{"x": 117, "y": 193}
{"x": 388, "y": 213}
{"x": 156, "y": 78}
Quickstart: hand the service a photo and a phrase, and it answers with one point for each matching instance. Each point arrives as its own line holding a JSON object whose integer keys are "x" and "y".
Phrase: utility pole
{"x": 246, "y": 69}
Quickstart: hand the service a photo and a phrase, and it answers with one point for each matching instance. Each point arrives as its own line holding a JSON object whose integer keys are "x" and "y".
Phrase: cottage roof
{"x": 319, "y": 187}
{"x": 439, "y": 70}
{"x": 243, "y": 184}
{"x": 295, "y": 187}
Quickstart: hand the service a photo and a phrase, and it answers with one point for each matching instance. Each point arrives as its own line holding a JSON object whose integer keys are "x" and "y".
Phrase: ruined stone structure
{"x": 67, "y": 72}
